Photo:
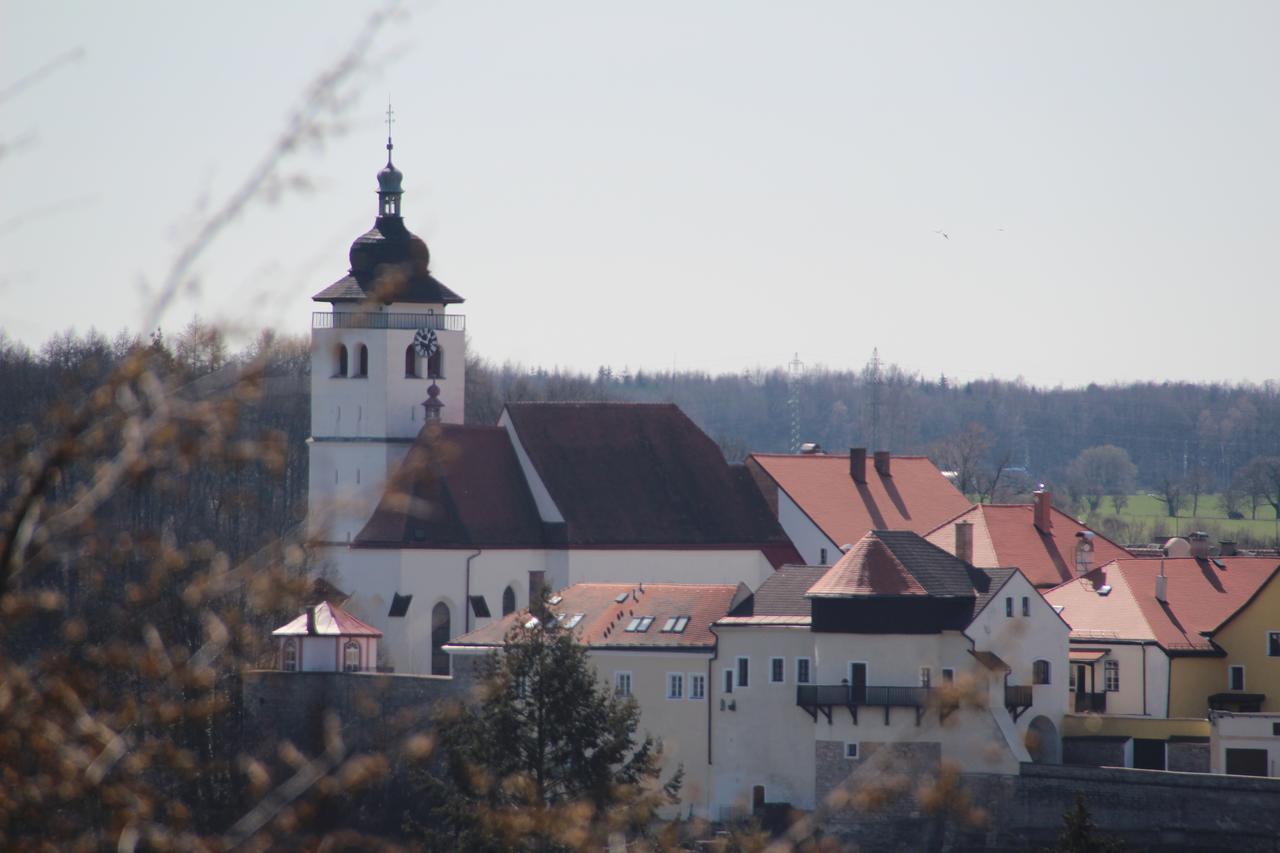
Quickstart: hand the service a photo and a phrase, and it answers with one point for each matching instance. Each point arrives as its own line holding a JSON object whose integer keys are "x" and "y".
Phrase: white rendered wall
{"x": 346, "y": 479}
{"x": 1242, "y": 731}
{"x": 807, "y": 537}
{"x": 1128, "y": 699}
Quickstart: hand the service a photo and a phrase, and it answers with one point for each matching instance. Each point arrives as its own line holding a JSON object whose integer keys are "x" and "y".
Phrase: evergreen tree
{"x": 547, "y": 759}
{"x": 1078, "y": 833}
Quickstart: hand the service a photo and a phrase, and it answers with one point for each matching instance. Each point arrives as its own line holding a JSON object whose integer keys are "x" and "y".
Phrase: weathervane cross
{"x": 390, "y": 119}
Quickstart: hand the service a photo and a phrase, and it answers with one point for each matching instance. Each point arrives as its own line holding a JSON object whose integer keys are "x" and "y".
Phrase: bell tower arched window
{"x": 362, "y": 363}
{"x": 435, "y": 364}
{"x": 440, "y": 626}
{"x": 340, "y": 356}
{"x": 410, "y": 362}
{"x": 508, "y": 601}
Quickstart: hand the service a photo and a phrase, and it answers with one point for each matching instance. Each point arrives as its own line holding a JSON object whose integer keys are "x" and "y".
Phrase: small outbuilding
{"x": 326, "y": 638}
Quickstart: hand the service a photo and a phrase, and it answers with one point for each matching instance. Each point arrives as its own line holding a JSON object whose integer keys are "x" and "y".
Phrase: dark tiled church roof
{"x": 641, "y": 474}
{"x": 388, "y": 264}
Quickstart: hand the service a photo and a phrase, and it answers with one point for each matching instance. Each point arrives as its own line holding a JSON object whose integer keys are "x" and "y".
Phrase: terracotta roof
{"x": 1201, "y": 596}
{"x": 330, "y": 621}
{"x": 604, "y": 619}
{"x": 915, "y": 497}
{"x": 457, "y": 486}
{"x": 869, "y": 568}
{"x": 1006, "y": 535}
{"x": 642, "y": 474}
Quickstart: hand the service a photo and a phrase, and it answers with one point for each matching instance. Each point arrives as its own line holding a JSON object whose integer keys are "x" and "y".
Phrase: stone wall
{"x": 1096, "y": 751}
{"x": 1187, "y": 757}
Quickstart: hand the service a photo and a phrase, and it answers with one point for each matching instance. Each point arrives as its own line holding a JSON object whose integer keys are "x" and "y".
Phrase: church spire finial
{"x": 389, "y": 179}
{"x": 390, "y": 121}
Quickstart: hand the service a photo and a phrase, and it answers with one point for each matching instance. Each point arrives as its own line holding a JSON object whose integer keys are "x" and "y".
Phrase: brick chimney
{"x": 964, "y": 541}
{"x": 1227, "y": 548}
{"x": 1084, "y": 552}
{"x": 882, "y": 463}
{"x": 311, "y": 619}
{"x": 1199, "y": 545}
{"x": 858, "y": 464}
{"x": 1043, "y": 509}
{"x": 1162, "y": 585}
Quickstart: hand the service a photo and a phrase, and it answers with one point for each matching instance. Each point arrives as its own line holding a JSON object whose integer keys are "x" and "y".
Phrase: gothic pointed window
{"x": 440, "y": 626}
{"x": 341, "y": 356}
{"x": 508, "y": 601}
{"x": 362, "y": 365}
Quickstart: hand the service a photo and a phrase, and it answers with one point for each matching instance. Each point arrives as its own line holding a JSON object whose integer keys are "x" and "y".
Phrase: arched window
{"x": 1040, "y": 672}
{"x": 410, "y": 362}
{"x": 351, "y": 656}
{"x": 435, "y": 364}
{"x": 341, "y": 357}
{"x": 508, "y": 601}
{"x": 290, "y": 661}
{"x": 440, "y": 624}
{"x": 362, "y": 362}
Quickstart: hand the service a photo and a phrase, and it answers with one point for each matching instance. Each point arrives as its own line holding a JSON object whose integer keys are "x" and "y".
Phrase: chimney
{"x": 1162, "y": 586}
{"x": 1227, "y": 548}
{"x": 882, "y": 463}
{"x": 311, "y": 619}
{"x": 964, "y": 541}
{"x": 858, "y": 464}
{"x": 1043, "y": 509}
{"x": 1199, "y": 545}
{"x": 537, "y": 586}
{"x": 1084, "y": 552}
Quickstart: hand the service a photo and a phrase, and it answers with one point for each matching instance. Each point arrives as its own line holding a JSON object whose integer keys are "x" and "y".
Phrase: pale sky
{"x": 715, "y": 185}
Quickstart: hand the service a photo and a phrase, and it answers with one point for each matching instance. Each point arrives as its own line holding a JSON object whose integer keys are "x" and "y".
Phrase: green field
{"x": 1144, "y": 519}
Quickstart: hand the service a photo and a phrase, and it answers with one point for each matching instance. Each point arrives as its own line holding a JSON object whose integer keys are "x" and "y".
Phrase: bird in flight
{"x": 943, "y": 233}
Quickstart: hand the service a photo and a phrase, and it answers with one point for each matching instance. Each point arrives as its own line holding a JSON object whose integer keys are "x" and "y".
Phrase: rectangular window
{"x": 744, "y": 672}
{"x": 728, "y": 681}
{"x": 802, "y": 670}
{"x": 851, "y": 750}
{"x": 639, "y": 625}
{"x": 926, "y": 676}
{"x": 948, "y": 675}
{"x": 1008, "y": 606}
{"x": 675, "y": 625}
{"x": 1273, "y": 644}
{"x": 697, "y": 686}
{"x": 1111, "y": 675}
{"x": 777, "y": 671}
{"x": 622, "y": 684}
{"x": 675, "y": 685}
{"x": 1235, "y": 678}
{"x": 1026, "y": 606}
{"x": 822, "y": 556}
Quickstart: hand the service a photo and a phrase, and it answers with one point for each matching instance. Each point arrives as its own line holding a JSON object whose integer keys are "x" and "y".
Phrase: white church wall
{"x": 345, "y": 481}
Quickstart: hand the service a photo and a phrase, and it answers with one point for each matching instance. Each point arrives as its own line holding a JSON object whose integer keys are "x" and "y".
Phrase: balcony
{"x": 387, "y": 320}
{"x": 1017, "y": 698}
{"x": 1090, "y": 703}
{"x": 821, "y": 698}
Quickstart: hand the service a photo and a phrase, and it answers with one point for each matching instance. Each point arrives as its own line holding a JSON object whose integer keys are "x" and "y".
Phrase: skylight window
{"x": 675, "y": 625}
{"x": 622, "y": 596}
{"x": 639, "y": 625}
{"x": 570, "y": 620}
{"x": 555, "y": 599}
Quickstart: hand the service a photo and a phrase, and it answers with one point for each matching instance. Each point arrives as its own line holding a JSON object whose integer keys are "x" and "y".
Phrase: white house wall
{"x": 805, "y": 535}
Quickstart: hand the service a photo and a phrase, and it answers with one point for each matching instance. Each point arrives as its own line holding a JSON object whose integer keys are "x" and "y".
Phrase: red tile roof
{"x": 915, "y": 497}
{"x": 868, "y": 568}
{"x": 1201, "y": 596}
{"x": 330, "y": 621}
{"x": 1005, "y": 535}
{"x": 604, "y": 619}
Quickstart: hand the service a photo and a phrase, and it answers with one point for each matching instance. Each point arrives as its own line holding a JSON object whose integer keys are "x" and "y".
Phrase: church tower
{"x": 385, "y": 358}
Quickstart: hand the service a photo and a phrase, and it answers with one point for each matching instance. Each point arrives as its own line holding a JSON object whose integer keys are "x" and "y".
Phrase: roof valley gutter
{"x": 466, "y": 598}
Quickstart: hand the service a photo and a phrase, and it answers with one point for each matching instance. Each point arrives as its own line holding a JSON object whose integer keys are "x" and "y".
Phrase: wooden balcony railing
{"x": 821, "y": 698}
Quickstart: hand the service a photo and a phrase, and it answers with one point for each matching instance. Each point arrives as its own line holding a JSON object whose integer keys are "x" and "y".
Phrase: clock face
{"x": 425, "y": 342}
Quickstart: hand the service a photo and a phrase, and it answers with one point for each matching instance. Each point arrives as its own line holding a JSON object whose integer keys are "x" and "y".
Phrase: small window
{"x": 697, "y": 686}
{"x": 340, "y": 369}
{"x": 1111, "y": 675}
{"x": 675, "y": 685}
{"x": 1273, "y": 644}
{"x": 555, "y": 599}
{"x": 480, "y": 607}
{"x": 777, "y": 670}
{"x": 570, "y": 620}
{"x": 435, "y": 364}
{"x": 822, "y": 556}
{"x": 850, "y": 750}
{"x": 410, "y": 362}
{"x": 621, "y": 597}
{"x": 290, "y": 662}
{"x": 948, "y": 675}
{"x": 926, "y": 677}
{"x": 802, "y": 671}
{"x": 1026, "y": 606}
{"x": 622, "y": 684}
{"x": 362, "y": 361}
{"x": 728, "y": 681}
{"x": 1235, "y": 678}
{"x": 351, "y": 656}
{"x": 639, "y": 625}
{"x": 508, "y": 601}
{"x": 399, "y": 605}
{"x": 1275, "y": 729}
{"x": 1008, "y": 607}
{"x": 744, "y": 672}
{"x": 1040, "y": 672}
